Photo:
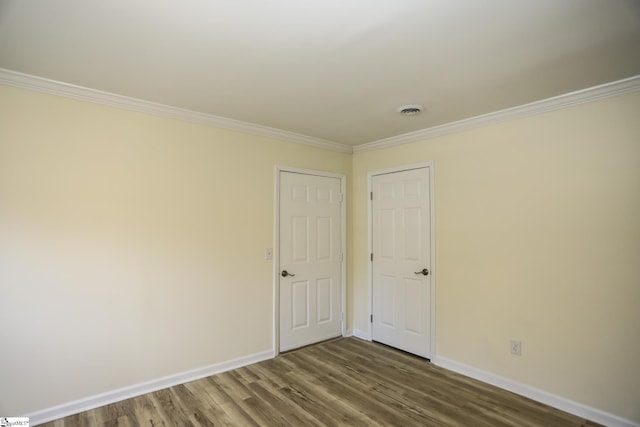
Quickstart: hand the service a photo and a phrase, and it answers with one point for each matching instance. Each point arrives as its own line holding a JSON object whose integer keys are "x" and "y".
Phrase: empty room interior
{"x": 196, "y": 187}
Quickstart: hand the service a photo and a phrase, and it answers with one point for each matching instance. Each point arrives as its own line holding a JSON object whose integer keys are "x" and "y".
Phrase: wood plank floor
{"x": 342, "y": 382}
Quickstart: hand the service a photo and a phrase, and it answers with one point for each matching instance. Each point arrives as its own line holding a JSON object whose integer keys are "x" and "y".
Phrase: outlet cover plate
{"x": 516, "y": 347}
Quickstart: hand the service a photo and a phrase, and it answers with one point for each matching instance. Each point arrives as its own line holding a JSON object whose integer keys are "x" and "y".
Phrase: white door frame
{"x": 432, "y": 272}
{"x": 276, "y": 252}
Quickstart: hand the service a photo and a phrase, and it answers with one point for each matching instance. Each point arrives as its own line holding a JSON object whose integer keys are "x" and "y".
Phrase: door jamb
{"x": 370, "y": 175}
{"x": 276, "y": 251}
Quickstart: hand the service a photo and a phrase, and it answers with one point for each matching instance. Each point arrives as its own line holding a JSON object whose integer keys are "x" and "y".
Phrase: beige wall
{"x": 537, "y": 238}
{"x": 128, "y": 242}
{"x": 131, "y": 246}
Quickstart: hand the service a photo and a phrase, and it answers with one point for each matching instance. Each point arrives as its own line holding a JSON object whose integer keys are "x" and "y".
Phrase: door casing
{"x": 432, "y": 273}
{"x": 276, "y": 252}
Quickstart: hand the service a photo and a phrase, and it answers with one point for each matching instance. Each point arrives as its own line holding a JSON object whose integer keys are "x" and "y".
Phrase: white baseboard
{"x": 542, "y": 396}
{"x": 361, "y": 334}
{"x": 86, "y": 404}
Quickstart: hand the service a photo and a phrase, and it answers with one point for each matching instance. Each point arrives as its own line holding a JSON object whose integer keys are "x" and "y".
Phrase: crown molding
{"x": 40, "y": 84}
{"x": 606, "y": 90}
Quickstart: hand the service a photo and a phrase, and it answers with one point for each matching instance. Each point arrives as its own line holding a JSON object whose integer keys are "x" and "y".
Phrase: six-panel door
{"x": 310, "y": 253}
{"x": 401, "y": 261}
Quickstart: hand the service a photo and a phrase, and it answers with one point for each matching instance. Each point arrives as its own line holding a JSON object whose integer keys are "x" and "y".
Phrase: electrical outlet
{"x": 516, "y": 347}
{"x": 268, "y": 253}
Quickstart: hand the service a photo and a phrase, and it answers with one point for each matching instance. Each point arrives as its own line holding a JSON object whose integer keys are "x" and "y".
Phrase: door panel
{"x": 323, "y": 300}
{"x": 310, "y": 250}
{"x": 323, "y": 250}
{"x": 401, "y": 247}
{"x": 299, "y": 304}
{"x": 388, "y": 294}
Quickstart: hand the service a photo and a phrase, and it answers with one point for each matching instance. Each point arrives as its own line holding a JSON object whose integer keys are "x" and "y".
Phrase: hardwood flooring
{"x": 346, "y": 381}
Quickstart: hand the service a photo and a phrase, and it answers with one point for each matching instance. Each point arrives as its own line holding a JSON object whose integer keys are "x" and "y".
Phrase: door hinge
{"x": 341, "y": 197}
{"x": 341, "y": 256}
{"x": 371, "y": 318}
{"x": 371, "y": 256}
{"x": 372, "y": 195}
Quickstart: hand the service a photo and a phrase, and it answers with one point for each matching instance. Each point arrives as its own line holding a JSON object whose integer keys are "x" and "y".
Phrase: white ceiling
{"x": 329, "y": 69}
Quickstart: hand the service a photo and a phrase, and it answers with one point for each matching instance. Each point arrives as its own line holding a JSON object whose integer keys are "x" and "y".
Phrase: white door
{"x": 310, "y": 259}
{"x": 401, "y": 312}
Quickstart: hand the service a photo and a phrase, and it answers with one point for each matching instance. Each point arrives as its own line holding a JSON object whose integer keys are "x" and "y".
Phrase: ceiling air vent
{"x": 410, "y": 110}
